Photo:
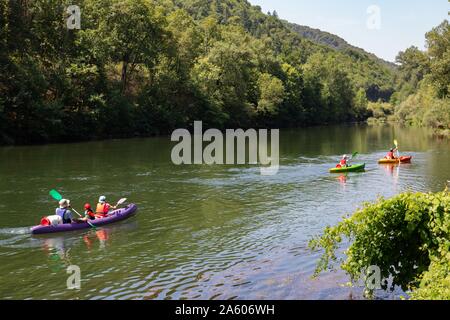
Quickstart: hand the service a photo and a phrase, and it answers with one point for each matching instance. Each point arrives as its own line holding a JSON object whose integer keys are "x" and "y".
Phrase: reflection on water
{"x": 202, "y": 232}
{"x": 57, "y": 247}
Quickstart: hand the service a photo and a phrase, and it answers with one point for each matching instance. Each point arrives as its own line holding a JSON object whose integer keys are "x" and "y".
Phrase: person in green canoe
{"x": 343, "y": 163}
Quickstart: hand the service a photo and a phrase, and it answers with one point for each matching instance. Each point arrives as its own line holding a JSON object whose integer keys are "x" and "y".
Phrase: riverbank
{"x": 9, "y": 142}
{"x": 436, "y": 132}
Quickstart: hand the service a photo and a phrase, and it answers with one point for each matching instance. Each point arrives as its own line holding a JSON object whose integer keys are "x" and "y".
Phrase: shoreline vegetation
{"x": 422, "y": 95}
{"x": 407, "y": 237}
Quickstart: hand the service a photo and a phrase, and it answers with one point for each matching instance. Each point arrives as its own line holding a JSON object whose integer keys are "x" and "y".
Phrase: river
{"x": 201, "y": 232}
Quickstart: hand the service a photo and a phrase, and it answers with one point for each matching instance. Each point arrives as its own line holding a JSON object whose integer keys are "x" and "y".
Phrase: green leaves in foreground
{"x": 407, "y": 237}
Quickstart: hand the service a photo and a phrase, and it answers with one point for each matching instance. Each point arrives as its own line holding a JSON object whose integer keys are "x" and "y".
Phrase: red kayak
{"x": 396, "y": 160}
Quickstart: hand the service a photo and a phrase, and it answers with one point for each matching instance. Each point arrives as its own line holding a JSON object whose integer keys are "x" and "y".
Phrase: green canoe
{"x": 352, "y": 168}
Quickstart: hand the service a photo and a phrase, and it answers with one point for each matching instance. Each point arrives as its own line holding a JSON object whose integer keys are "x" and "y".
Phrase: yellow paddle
{"x": 396, "y": 146}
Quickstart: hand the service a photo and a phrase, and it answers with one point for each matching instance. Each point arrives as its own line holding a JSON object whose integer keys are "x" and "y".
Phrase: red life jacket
{"x": 90, "y": 213}
{"x": 390, "y": 155}
{"x": 343, "y": 162}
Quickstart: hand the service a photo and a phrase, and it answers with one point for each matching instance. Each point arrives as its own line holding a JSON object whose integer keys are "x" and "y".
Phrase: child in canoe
{"x": 89, "y": 214}
{"x": 343, "y": 163}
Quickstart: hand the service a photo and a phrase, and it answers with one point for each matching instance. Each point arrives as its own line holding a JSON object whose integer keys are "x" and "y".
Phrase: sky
{"x": 383, "y": 27}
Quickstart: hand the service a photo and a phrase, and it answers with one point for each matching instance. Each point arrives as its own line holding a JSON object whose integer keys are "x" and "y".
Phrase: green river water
{"x": 201, "y": 232}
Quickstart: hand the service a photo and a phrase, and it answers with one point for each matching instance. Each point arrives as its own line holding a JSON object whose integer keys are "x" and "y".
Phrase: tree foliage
{"x": 407, "y": 237}
{"x": 423, "y": 82}
{"x": 147, "y": 67}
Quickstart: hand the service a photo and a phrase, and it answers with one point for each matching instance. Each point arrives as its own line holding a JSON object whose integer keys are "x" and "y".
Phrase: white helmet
{"x": 64, "y": 203}
{"x": 344, "y": 156}
{"x": 102, "y": 199}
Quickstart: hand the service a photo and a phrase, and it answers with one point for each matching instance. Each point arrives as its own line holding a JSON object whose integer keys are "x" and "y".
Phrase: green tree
{"x": 336, "y": 91}
{"x": 438, "y": 42}
{"x": 360, "y": 103}
{"x": 227, "y": 74}
{"x": 271, "y": 94}
{"x": 148, "y": 66}
{"x": 134, "y": 32}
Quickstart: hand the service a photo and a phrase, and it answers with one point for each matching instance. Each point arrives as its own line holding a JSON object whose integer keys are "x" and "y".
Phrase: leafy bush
{"x": 380, "y": 109}
{"x": 435, "y": 284}
{"x": 438, "y": 115}
{"x": 407, "y": 237}
{"x": 425, "y": 109}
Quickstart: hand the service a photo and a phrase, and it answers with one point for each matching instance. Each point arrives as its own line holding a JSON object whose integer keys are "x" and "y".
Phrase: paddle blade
{"x": 396, "y": 143}
{"x": 354, "y": 154}
{"x": 121, "y": 201}
{"x": 55, "y": 195}
{"x": 92, "y": 226}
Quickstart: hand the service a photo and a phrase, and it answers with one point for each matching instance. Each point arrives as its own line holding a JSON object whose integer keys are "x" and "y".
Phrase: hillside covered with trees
{"x": 333, "y": 41}
{"x": 146, "y": 67}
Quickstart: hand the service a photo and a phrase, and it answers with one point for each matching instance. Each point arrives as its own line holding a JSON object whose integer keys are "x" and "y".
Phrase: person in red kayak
{"x": 103, "y": 207}
{"x": 344, "y": 162}
{"x": 89, "y": 214}
{"x": 390, "y": 155}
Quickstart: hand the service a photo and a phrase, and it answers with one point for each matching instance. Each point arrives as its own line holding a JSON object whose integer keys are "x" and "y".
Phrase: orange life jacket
{"x": 102, "y": 208}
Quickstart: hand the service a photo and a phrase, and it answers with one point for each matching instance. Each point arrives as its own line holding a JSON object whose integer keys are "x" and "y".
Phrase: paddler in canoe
{"x": 391, "y": 154}
{"x": 63, "y": 215}
{"x": 344, "y": 166}
{"x": 103, "y": 207}
{"x": 344, "y": 162}
{"x": 64, "y": 211}
{"x": 89, "y": 214}
{"x": 391, "y": 158}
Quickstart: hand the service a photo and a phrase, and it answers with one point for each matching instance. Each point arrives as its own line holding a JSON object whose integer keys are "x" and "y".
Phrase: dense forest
{"x": 333, "y": 41}
{"x": 422, "y": 85}
{"x": 146, "y": 67}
